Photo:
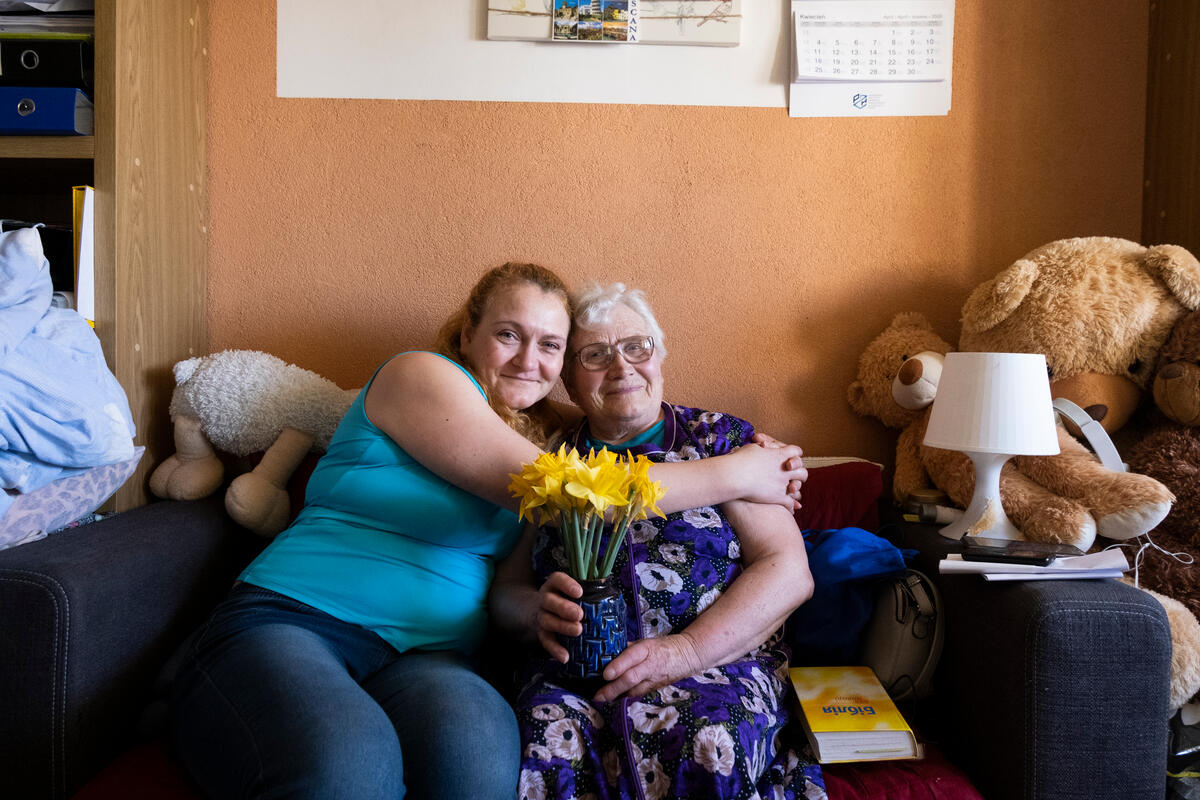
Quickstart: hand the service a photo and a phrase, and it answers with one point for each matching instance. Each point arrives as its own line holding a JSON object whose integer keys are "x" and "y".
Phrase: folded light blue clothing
{"x": 60, "y": 406}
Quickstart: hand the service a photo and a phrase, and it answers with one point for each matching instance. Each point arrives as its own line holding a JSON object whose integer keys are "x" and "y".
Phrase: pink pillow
{"x": 840, "y": 493}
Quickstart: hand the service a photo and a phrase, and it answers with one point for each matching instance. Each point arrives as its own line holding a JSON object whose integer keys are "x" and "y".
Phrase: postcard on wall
{"x": 870, "y": 58}
{"x": 596, "y": 20}
{"x": 696, "y": 22}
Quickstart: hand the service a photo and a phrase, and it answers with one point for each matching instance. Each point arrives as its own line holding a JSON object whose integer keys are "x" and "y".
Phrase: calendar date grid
{"x": 870, "y": 50}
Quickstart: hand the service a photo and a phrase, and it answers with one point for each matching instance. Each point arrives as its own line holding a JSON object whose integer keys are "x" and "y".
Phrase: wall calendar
{"x": 871, "y": 57}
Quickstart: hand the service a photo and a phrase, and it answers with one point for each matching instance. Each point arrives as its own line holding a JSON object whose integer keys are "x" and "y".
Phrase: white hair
{"x": 594, "y": 305}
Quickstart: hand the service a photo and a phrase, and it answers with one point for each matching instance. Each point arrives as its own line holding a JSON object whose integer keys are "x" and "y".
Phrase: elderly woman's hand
{"x": 557, "y": 613}
{"x": 648, "y": 664}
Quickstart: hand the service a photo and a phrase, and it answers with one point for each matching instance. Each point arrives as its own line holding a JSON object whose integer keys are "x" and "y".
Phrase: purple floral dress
{"x": 713, "y": 735}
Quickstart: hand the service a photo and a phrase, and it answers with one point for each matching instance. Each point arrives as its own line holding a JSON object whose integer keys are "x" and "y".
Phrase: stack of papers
{"x": 1105, "y": 564}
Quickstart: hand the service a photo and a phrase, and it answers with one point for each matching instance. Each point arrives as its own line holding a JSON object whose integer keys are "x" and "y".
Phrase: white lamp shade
{"x": 993, "y": 403}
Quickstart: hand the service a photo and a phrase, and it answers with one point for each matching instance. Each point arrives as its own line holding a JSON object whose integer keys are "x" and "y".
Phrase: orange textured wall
{"x": 341, "y": 231}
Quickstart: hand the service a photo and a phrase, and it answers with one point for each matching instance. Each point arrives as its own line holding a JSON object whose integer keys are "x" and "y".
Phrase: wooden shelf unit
{"x": 148, "y": 170}
{"x": 47, "y": 147}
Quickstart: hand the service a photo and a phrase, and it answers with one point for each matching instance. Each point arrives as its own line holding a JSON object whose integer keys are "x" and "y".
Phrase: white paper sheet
{"x": 85, "y": 269}
{"x": 1104, "y": 564}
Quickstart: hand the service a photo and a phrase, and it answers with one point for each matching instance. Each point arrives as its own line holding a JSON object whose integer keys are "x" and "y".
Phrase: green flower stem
{"x": 594, "y": 537}
{"x": 569, "y": 538}
{"x": 614, "y": 546}
{"x": 585, "y": 549}
{"x": 577, "y": 533}
{"x": 585, "y": 527}
{"x": 618, "y": 535}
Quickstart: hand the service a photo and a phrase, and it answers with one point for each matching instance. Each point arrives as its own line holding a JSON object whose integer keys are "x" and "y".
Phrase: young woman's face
{"x": 517, "y": 348}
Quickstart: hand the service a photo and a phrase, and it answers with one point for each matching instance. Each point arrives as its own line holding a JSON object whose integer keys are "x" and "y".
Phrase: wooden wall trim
{"x": 1171, "y": 201}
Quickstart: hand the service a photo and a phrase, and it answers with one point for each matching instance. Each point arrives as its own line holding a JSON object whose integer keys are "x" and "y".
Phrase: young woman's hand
{"x": 557, "y": 613}
{"x": 767, "y": 473}
{"x": 648, "y": 664}
{"x": 794, "y": 485}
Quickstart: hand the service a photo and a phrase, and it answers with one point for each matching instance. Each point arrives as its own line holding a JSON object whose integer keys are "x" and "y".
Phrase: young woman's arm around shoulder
{"x": 429, "y": 407}
{"x": 433, "y": 410}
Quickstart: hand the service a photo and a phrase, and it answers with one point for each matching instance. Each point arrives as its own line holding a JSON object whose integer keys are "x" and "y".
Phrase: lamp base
{"x": 985, "y": 515}
{"x": 994, "y": 524}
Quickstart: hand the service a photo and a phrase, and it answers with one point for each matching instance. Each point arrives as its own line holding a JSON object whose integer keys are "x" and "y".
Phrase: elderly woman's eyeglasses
{"x": 634, "y": 350}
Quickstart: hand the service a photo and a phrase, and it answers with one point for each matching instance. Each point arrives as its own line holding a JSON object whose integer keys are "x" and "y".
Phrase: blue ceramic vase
{"x": 603, "y": 636}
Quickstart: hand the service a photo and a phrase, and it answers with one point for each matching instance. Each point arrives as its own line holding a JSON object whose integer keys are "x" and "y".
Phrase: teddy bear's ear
{"x": 910, "y": 319}
{"x": 994, "y": 300}
{"x": 1179, "y": 270}
{"x": 855, "y": 395}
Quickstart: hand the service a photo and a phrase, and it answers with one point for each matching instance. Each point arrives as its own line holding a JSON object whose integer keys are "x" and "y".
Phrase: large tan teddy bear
{"x": 1099, "y": 309}
{"x": 897, "y": 382}
{"x": 243, "y": 402}
{"x": 1064, "y": 498}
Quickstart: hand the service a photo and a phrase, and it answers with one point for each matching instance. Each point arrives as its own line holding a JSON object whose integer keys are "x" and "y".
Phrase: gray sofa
{"x": 1051, "y": 689}
{"x": 1047, "y": 690}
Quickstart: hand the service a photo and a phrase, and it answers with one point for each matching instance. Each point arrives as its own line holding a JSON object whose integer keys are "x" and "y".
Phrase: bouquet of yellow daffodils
{"x": 575, "y": 495}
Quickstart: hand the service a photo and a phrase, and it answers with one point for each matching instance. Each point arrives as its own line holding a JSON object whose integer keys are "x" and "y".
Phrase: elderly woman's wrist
{"x": 692, "y": 653}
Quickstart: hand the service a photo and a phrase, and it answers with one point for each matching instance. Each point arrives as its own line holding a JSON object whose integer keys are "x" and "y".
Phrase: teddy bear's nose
{"x": 910, "y": 372}
{"x": 1097, "y": 412}
{"x": 1171, "y": 371}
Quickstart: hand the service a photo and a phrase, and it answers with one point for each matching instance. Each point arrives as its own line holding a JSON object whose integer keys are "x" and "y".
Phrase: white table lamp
{"x": 991, "y": 406}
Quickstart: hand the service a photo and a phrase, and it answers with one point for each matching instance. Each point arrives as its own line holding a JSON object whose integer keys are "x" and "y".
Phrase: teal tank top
{"x": 384, "y": 543}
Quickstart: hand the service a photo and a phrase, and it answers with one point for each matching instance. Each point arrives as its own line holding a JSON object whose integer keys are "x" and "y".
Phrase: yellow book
{"x": 849, "y": 717}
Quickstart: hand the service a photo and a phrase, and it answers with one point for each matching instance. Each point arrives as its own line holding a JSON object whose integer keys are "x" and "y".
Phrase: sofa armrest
{"x": 1051, "y": 689}
{"x": 87, "y": 618}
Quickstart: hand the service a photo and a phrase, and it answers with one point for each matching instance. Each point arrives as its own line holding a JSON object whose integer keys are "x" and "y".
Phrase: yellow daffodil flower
{"x": 574, "y": 494}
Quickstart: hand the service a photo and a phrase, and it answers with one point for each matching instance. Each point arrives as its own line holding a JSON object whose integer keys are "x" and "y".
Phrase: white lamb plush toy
{"x": 243, "y": 402}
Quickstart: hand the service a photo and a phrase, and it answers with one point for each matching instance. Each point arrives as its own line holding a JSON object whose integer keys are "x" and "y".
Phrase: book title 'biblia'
{"x": 835, "y": 710}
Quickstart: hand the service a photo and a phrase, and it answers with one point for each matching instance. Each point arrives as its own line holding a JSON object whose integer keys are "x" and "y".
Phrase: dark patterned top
{"x": 712, "y": 735}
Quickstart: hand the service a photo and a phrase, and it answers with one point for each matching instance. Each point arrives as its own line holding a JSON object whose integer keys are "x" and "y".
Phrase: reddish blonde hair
{"x": 540, "y": 421}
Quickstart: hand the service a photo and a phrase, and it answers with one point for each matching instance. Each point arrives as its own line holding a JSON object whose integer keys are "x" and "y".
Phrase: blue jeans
{"x": 278, "y": 699}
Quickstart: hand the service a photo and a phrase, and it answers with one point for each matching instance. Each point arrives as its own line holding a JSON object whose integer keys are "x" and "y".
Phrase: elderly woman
{"x": 694, "y": 706}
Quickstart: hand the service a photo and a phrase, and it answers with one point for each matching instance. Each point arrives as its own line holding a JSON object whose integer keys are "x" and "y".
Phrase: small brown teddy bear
{"x": 1063, "y": 498}
{"x": 1171, "y": 453}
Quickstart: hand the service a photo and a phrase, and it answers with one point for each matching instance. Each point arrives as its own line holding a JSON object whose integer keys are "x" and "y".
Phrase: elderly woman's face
{"x": 624, "y": 398}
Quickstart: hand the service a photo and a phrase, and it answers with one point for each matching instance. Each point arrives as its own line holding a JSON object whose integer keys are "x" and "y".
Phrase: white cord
{"x": 1181, "y": 557}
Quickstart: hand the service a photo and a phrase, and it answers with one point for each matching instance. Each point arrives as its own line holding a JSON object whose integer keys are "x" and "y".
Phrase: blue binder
{"x": 44, "y": 110}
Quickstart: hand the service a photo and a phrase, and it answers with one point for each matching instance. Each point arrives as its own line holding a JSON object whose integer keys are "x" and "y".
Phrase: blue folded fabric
{"x": 846, "y": 564}
{"x": 60, "y": 406}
